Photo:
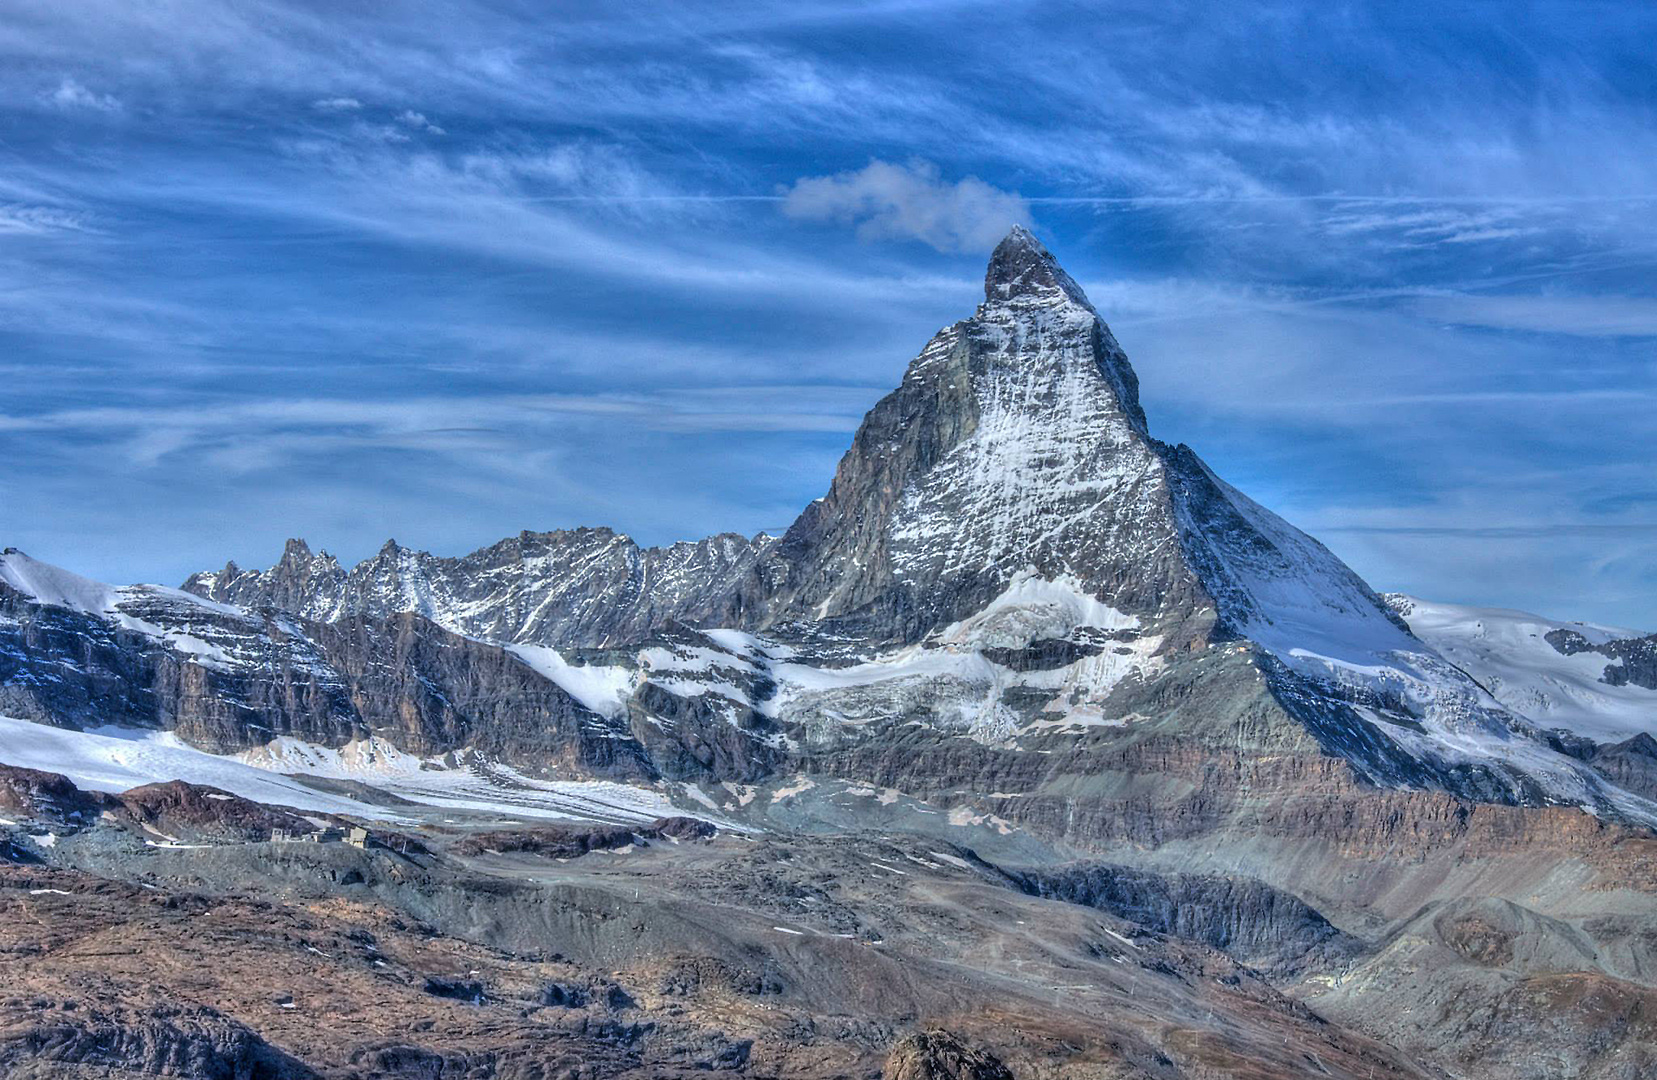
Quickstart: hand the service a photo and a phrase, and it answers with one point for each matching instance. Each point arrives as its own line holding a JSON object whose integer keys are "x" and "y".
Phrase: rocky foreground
{"x": 172, "y": 944}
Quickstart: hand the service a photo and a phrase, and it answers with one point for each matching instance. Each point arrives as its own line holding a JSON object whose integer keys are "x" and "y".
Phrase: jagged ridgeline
{"x": 1011, "y": 595}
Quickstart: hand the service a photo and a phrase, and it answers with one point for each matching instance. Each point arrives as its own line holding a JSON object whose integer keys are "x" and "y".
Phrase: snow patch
{"x": 601, "y": 688}
{"x": 1507, "y": 651}
{"x": 1032, "y": 608}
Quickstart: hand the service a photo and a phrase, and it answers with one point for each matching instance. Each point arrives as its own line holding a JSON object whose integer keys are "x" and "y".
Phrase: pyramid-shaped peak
{"x": 1021, "y": 268}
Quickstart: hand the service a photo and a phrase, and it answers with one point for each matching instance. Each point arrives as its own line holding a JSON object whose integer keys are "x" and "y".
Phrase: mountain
{"x": 82, "y": 654}
{"x": 574, "y": 587}
{"x": 1006, "y": 551}
{"x": 1031, "y": 725}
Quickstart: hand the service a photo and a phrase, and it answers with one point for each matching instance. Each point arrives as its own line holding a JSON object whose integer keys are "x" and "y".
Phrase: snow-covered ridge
{"x": 586, "y": 587}
{"x": 190, "y": 618}
{"x": 1509, "y": 654}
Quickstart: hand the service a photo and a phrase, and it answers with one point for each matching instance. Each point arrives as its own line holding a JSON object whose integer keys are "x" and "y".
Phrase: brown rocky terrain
{"x": 681, "y": 962}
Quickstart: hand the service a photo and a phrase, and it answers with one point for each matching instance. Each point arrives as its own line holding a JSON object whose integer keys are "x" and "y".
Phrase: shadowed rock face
{"x": 1631, "y": 764}
{"x": 183, "y": 1043}
{"x": 571, "y": 841}
{"x": 1268, "y": 929}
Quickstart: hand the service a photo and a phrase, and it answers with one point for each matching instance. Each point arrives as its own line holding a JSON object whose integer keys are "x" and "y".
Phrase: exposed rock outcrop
{"x": 1264, "y": 927}
{"x": 940, "y": 1055}
{"x": 190, "y": 1043}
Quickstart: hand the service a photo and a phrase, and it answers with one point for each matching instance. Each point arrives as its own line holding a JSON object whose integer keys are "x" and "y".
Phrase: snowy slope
{"x": 124, "y": 605}
{"x": 1508, "y": 652}
{"x": 118, "y": 759}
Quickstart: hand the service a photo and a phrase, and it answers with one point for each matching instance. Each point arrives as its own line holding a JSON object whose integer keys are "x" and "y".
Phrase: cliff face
{"x": 227, "y": 680}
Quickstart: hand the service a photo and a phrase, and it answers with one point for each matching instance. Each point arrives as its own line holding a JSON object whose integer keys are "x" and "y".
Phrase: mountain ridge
{"x": 1005, "y": 557}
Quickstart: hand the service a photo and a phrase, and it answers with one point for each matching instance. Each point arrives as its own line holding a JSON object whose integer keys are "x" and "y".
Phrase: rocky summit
{"x": 1031, "y": 749}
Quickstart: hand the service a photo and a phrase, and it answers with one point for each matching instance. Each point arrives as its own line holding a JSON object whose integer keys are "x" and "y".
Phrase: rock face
{"x": 939, "y": 1055}
{"x": 188, "y": 1044}
{"x": 193, "y": 811}
{"x": 1266, "y": 928}
{"x": 51, "y": 798}
{"x": 573, "y": 841}
{"x": 226, "y": 679}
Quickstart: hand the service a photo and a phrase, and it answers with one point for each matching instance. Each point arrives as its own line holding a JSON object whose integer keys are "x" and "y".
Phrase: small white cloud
{"x": 72, "y": 95}
{"x": 419, "y": 122}
{"x": 336, "y": 104}
{"x": 887, "y": 200}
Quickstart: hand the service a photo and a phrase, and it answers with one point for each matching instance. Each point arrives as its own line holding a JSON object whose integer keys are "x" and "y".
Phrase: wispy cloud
{"x": 40, "y": 219}
{"x": 1583, "y": 316}
{"x": 910, "y": 201}
{"x": 411, "y": 119}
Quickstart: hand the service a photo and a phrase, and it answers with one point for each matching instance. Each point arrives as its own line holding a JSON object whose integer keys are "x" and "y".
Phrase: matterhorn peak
{"x": 1021, "y": 268}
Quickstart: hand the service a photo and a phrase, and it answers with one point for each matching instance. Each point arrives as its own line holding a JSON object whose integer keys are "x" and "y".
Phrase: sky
{"x": 445, "y": 271}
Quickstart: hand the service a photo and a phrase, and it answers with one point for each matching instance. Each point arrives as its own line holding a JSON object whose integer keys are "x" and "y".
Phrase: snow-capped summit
{"x": 1022, "y": 269}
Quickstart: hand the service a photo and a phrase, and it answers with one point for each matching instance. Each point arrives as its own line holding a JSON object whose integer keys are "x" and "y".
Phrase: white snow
{"x": 57, "y": 587}
{"x": 462, "y": 780}
{"x": 53, "y": 585}
{"x": 1119, "y": 937}
{"x": 117, "y": 759}
{"x": 915, "y": 661}
{"x": 600, "y": 688}
{"x": 1032, "y": 608}
{"x": 1508, "y": 653}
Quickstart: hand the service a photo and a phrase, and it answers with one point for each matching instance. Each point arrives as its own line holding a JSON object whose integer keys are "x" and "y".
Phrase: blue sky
{"x": 444, "y": 271}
